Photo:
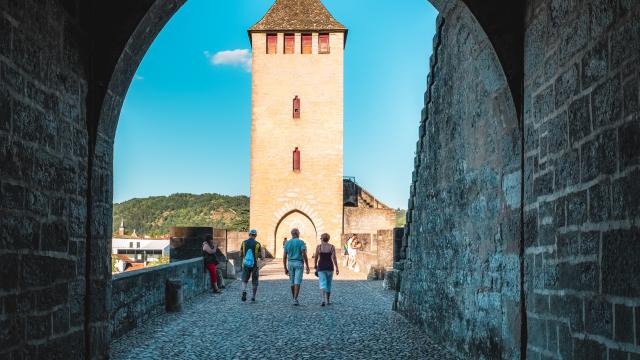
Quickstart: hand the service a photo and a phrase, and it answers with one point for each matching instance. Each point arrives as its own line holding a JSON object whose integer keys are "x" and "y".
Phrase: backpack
{"x": 249, "y": 259}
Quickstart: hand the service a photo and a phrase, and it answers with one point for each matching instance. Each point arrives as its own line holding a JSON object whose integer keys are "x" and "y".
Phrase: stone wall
{"x": 461, "y": 279}
{"x": 235, "y": 239}
{"x": 582, "y": 119}
{"x": 368, "y": 221}
{"x": 43, "y": 182}
{"x": 140, "y": 295}
{"x": 578, "y": 231}
{"x": 65, "y": 67}
{"x": 376, "y": 251}
{"x": 186, "y": 242}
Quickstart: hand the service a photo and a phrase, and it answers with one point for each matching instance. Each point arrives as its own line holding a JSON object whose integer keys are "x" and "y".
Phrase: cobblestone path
{"x": 358, "y": 325}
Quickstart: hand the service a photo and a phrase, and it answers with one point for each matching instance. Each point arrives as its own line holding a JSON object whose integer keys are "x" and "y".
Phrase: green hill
{"x": 155, "y": 215}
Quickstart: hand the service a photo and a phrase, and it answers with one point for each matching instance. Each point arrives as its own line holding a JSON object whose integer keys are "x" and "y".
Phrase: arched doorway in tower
{"x": 298, "y": 220}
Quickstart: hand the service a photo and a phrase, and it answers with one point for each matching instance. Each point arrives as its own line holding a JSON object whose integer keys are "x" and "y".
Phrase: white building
{"x": 141, "y": 250}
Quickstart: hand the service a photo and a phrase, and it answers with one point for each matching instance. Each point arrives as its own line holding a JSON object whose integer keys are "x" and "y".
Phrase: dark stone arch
{"x": 66, "y": 64}
{"x": 120, "y": 33}
{"x": 469, "y": 166}
{"x": 120, "y": 46}
{"x": 503, "y": 22}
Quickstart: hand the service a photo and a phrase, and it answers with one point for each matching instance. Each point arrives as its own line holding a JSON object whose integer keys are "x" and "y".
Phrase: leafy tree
{"x": 401, "y": 217}
{"x": 114, "y": 259}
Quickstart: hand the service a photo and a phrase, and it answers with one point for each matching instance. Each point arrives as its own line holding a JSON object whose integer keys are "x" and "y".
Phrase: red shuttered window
{"x": 272, "y": 44}
{"x": 289, "y": 44}
{"x": 296, "y": 108}
{"x": 296, "y": 160}
{"x": 307, "y": 43}
{"x": 323, "y": 44}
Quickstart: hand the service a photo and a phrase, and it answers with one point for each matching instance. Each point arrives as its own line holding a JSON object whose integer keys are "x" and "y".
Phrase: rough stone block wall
{"x": 235, "y": 239}
{"x": 376, "y": 251}
{"x": 582, "y": 176}
{"x": 43, "y": 182}
{"x": 140, "y": 295}
{"x": 368, "y": 221}
{"x": 461, "y": 279}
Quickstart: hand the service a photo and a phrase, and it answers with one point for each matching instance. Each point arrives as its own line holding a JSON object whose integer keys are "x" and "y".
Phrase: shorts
{"x": 296, "y": 268}
{"x": 253, "y": 273}
{"x": 326, "y": 279}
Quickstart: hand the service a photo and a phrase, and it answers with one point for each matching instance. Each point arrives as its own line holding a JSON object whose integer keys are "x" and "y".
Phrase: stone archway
{"x": 301, "y": 221}
{"x": 65, "y": 69}
{"x": 501, "y": 55}
{"x": 98, "y": 45}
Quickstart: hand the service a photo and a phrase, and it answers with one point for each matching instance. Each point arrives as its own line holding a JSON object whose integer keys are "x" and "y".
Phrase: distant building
{"x": 121, "y": 230}
{"x": 364, "y": 213}
{"x": 141, "y": 250}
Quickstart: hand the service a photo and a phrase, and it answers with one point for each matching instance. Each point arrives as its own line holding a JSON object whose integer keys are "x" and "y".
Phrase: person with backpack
{"x": 295, "y": 256}
{"x": 211, "y": 262}
{"x": 249, "y": 251}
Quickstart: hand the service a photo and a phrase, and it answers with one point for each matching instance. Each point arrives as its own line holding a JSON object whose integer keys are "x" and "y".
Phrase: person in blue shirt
{"x": 295, "y": 260}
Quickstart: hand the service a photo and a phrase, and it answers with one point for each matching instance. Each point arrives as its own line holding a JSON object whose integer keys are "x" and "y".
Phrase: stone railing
{"x": 140, "y": 295}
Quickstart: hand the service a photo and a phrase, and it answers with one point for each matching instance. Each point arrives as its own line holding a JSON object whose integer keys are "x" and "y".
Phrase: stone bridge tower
{"x": 297, "y": 123}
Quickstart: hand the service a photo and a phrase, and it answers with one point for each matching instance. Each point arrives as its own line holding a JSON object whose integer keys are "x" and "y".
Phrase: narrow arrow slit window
{"x": 296, "y": 108}
{"x": 296, "y": 160}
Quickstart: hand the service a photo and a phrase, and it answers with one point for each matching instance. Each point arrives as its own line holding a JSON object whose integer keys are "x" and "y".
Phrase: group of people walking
{"x": 295, "y": 262}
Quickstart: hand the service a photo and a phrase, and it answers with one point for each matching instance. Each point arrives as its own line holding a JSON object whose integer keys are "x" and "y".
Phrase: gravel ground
{"x": 358, "y": 325}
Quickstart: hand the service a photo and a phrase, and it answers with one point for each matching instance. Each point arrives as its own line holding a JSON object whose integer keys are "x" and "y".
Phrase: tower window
{"x": 296, "y": 108}
{"x": 272, "y": 43}
{"x": 296, "y": 160}
{"x": 323, "y": 44}
{"x": 307, "y": 43}
{"x": 289, "y": 44}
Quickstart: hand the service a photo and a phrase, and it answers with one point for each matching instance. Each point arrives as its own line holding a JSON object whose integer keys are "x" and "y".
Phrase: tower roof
{"x": 300, "y": 15}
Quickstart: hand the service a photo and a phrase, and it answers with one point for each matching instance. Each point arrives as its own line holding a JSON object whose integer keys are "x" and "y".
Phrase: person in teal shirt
{"x": 295, "y": 260}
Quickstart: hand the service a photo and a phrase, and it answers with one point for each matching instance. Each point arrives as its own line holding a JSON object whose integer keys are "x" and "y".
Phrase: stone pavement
{"x": 358, "y": 325}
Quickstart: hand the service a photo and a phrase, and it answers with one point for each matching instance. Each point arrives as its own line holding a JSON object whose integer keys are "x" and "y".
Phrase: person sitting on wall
{"x": 211, "y": 262}
{"x": 220, "y": 255}
{"x": 353, "y": 247}
{"x": 345, "y": 257}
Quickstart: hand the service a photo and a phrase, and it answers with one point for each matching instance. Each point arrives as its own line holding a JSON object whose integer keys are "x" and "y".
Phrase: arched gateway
{"x": 299, "y": 220}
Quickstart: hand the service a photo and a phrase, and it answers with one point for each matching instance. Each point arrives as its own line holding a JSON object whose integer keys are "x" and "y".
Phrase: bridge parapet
{"x": 140, "y": 295}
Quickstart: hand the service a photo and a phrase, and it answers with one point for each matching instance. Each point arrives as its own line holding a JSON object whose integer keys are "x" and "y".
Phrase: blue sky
{"x": 185, "y": 124}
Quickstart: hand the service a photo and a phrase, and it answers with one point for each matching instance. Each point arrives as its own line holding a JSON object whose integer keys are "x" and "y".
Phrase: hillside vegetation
{"x": 155, "y": 215}
{"x": 401, "y": 217}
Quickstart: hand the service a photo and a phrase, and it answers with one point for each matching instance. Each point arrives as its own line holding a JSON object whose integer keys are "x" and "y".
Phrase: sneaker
{"x": 295, "y": 302}
{"x": 253, "y": 299}
{"x": 244, "y": 296}
{"x": 322, "y": 304}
